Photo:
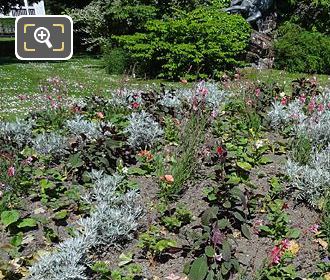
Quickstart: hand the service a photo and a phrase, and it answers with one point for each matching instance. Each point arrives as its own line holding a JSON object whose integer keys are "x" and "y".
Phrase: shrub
{"x": 298, "y": 50}
{"x": 200, "y": 43}
{"x": 115, "y": 60}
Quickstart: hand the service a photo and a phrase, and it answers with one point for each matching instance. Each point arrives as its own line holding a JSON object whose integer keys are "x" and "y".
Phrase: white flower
{"x": 259, "y": 144}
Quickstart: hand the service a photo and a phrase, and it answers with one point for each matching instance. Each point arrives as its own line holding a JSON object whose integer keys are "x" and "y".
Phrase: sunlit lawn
{"x": 83, "y": 76}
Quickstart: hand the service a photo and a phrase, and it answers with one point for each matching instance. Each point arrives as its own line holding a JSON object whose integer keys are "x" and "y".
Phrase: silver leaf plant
{"x": 113, "y": 218}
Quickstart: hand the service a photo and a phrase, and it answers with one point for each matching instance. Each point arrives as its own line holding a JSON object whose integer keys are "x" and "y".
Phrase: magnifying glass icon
{"x": 42, "y": 35}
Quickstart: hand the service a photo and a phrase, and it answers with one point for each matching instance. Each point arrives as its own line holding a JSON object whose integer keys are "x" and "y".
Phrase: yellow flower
{"x": 326, "y": 276}
{"x": 294, "y": 247}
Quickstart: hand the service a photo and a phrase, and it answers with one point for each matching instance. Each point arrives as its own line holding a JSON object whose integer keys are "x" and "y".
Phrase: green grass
{"x": 84, "y": 76}
{"x": 7, "y": 39}
{"x": 283, "y": 78}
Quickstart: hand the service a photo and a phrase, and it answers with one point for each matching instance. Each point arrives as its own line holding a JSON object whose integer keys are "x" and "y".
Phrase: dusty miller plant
{"x": 143, "y": 131}
{"x": 79, "y": 126}
{"x": 125, "y": 98}
{"x": 49, "y": 144}
{"x": 18, "y": 132}
{"x": 170, "y": 100}
{"x": 312, "y": 180}
{"x": 113, "y": 218}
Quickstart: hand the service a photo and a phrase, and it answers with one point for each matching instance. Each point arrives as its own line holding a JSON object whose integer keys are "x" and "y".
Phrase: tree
{"x": 5, "y": 5}
{"x": 57, "y": 7}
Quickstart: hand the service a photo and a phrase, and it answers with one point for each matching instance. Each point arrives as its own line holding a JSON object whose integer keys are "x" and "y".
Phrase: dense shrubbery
{"x": 196, "y": 44}
{"x": 298, "y": 50}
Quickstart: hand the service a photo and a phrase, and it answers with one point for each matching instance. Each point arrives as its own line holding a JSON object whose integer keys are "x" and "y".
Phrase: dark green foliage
{"x": 302, "y": 149}
{"x": 57, "y": 7}
{"x": 115, "y": 61}
{"x": 200, "y": 43}
{"x": 298, "y": 50}
{"x": 310, "y": 14}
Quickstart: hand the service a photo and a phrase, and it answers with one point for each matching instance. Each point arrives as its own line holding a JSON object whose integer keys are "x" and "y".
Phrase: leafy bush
{"x": 298, "y": 50}
{"x": 199, "y": 43}
{"x": 115, "y": 60}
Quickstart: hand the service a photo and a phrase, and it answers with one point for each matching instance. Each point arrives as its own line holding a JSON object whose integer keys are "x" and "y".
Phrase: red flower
{"x": 284, "y": 100}
{"x": 275, "y": 255}
{"x": 135, "y": 105}
{"x": 11, "y": 171}
{"x": 222, "y": 153}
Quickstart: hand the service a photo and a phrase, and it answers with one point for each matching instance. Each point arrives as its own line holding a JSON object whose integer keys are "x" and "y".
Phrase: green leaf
{"x": 9, "y": 217}
{"x": 199, "y": 269}
{"x": 209, "y": 251}
{"x": 17, "y": 239}
{"x": 265, "y": 160}
{"x": 245, "y": 231}
{"x": 226, "y": 250}
{"x": 223, "y": 223}
{"x": 208, "y": 215}
{"x": 266, "y": 229}
{"x": 293, "y": 233}
{"x": 210, "y": 275}
{"x": 244, "y": 165}
{"x": 61, "y": 215}
{"x": 29, "y": 222}
{"x": 125, "y": 259}
{"x": 164, "y": 244}
{"x": 75, "y": 161}
{"x": 238, "y": 216}
{"x": 136, "y": 171}
{"x": 234, "y": 180}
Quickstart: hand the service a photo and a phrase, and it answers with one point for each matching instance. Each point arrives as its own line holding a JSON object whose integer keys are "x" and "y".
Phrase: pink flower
{"x": 320, "y": 108}
{"x": 285, "y": 244}
{"x": 275, "y": 255}
{"x": 204, "y": 91}
{"x": 100, "y": 115}
{"x": 172, "y": 276}
{"x": 302, "y": 98}
{"x": 27, "y": 161}
{"x": 135, "y": 105}
{"x": 311, "y": 105}
{"x": 284, "y": 100}
{"x": 214, "y": 114}
{"x": 218, "y": 257}
{"x": 258, "y": 91}
{"x": 314, "y": 228}
{"x": 11, "y": 171}
{"x": 249, "y": 102}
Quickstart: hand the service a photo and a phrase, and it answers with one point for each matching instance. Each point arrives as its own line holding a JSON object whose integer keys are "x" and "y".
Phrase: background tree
{"x": 6, "y": 4}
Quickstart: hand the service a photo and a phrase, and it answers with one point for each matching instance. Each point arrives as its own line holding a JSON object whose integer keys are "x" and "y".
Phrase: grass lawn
{"x": 82, "y": 75}
{"x": 283, "y": 78}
